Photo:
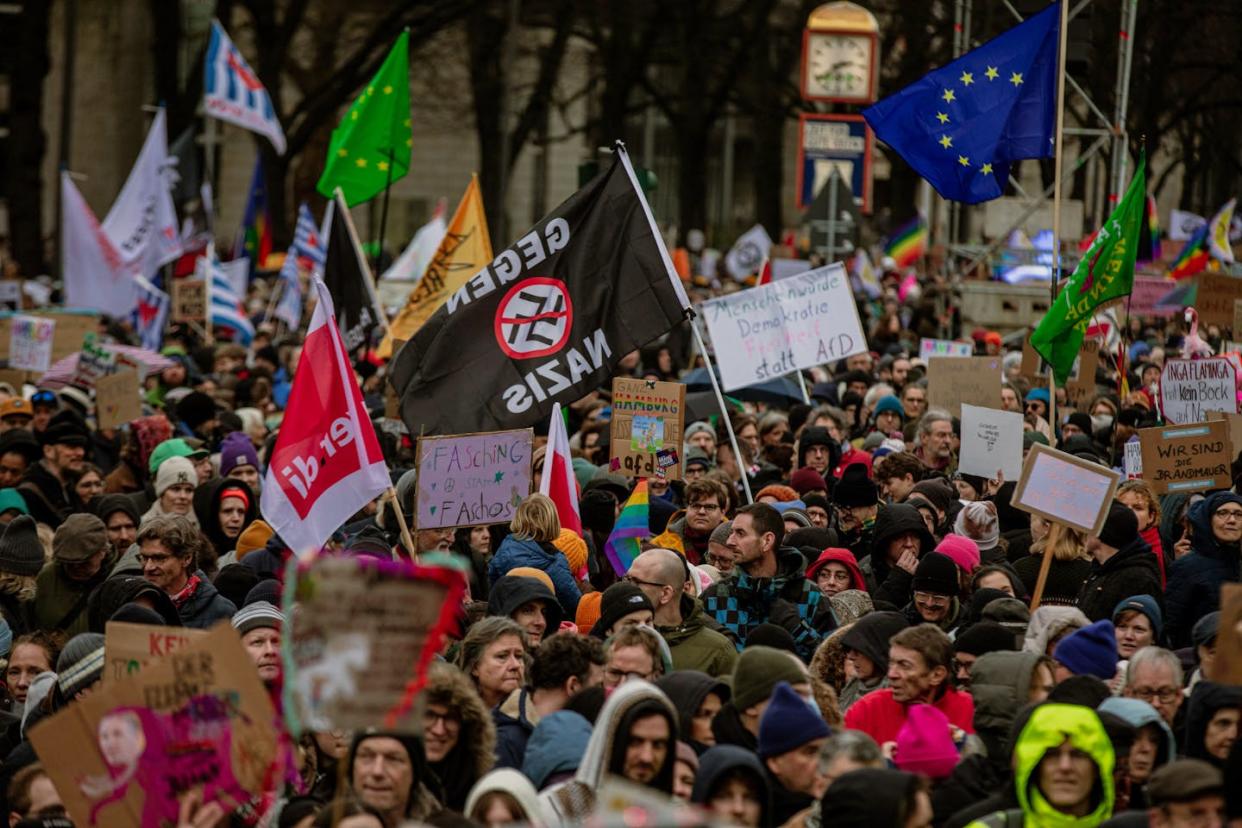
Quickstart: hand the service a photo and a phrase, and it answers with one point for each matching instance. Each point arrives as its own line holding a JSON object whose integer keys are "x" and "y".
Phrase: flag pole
{"x": 379, "y": 252}
{"x": 724, "y": 412}
{"x": 368, "y": 280}
{"x": 1056, "y": 195}
{"x": 411, "y": 549}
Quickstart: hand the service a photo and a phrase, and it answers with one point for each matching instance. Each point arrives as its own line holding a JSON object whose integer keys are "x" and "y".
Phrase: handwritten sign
{"x": 991, "y": 442}
{"x": 1189, "y": 388}
{"x": 1215, "y": 297}
{"x": 1065, "y": 489}
{"x": 1235, "y": 426}
{"x": 198, "y": 718}
{"x": 361, "y": 639}
{"x": 117, "y": 399}
{"x": 929, "y": 348}
{"x": 952, "y": 381}
{"x": 71, "y": 328}
{"x": 785, "y": 326}
{"x": 129, "y": 648}
{"x": 469, "y": 479}
{"x": 189, "y": 300}
{"x": 1190, "y": 458}
{"x": 1237, "y": 315}
{"x": 647, "y": 418}
{"x": 1148, "y": 291}
{"x": 94, "y": 361}
{"x": 1132, "y": 460}
{"x": 30, "y": 343}
{"x": 1080, "y": 387}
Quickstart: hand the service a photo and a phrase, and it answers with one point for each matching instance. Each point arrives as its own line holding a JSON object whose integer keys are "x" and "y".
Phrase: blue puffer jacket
{"x": 1195, "y": 579}
{"x": 555, "y": 746}
{"x": 542, "y": 556}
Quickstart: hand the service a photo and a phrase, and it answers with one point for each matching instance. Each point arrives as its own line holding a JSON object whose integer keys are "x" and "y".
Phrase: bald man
{"x": 695, "y": 645}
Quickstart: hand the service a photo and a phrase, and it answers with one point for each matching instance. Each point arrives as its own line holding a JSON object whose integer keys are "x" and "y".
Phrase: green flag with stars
{"x": 370, "y": 147}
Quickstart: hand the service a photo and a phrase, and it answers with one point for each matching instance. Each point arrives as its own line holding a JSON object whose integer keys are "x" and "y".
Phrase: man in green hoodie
{"x": 679, "y": 617}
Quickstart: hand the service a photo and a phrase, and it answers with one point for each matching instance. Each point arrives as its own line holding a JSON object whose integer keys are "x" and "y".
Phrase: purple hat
{"x": 236, "y": 450}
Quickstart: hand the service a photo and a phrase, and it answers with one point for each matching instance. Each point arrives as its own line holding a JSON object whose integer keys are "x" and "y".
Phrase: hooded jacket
{"x": 1048, "y": 727}
{"x": 686, "y": 689}
{"x": 1047, "y": 623}
{"x": 119, "y": 590}
{"x": 206, "y": 606}
{"x": 843, "y": 557}
{"x": 869, "y": 635}
{"x": 819, "y": 436}
{"x": 1132, "y": 571}
{"x": 515, "y": 719}
{"x": 513, "y": 783}
{"x": 1139, "y": 714}
{"x": 56, "y": 595}
{"x": 514, "y": 552}
{"x": 509, "y": 594}
{"x": 1195, "y": 579}
{"x": 207, "y": 509}
{"x": 787, "y": 599}
{"x": 556, "y": 747}
{"x": 694, "y": 645}
{"x": 723, "y": 760}
{"x": 886, "y": 582}
{"x": 472, "y": 756}
{"x": 1205, "y": 700}
{"x": 425, "y": 795}
{"x": 571, "y": 802}
{"x": 867, "y": 797}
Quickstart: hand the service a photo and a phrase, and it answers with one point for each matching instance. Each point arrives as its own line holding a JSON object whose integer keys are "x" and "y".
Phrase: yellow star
{"x": 1016, "y": 79}
{"x": 407, "y": 121}
{"x": 986, "y": 169}
{"x": 370, "y": 90}
{"x": 353, "y": 115}
{"x": 946, "y": 141}
{"x": 409, "y": 142}
{"x": 383, "y": 165}
{"x": 388, "y": 90}
{"x": 948, "y": 96}
{"x": 942, "y": 117}
{"x": 361, "y": 162}
{"x": 342, "y": 152}
{"x": 963, "y": 160}
{"x": 992, "y": 73}
{"x": 967, "y": 78}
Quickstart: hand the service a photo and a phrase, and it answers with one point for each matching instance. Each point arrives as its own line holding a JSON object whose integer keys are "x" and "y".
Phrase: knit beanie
{"x": 574, "y": 548}
{"x": 11, "y": 500}
{"x": 925, "y": 744}
{"x": 938, "y": 491}
{"x": 668, "y": 539}
{"x": 985, "y": 637}
{"x": 758, "y": 670}
{"x": 891, "y": 404}
{"x": 806, "y": 479}
{"x": 268, "y": 590}
{"x": 1090, "y": 651}
{"x": 978, "y": 522}
{"x": 1120, "y": 527}
{"x": 774, "y": 636}
{"x": 80, "y": 664}
{"x": 961, "y": 550}
{"x": 195, "y": 409}
{"x": 530, "y": 572}
{"x": 236, "y": 450}
{"x": 78, "y": 538}
{"x": 720, "y": 535}
{"x": 20, "y": 550}
{"x": 788, "y": 723}
{"x": 1139, "y": 603}
{"x": 855, "y": 488}
{"x": 253, "y": 537}
{"x": 587, "y": 615}
{"x": 619, "y": 600}
{"x": 937, "y": 574}
{"x": 172, "y": 472}
{"x": 256, "y": 615}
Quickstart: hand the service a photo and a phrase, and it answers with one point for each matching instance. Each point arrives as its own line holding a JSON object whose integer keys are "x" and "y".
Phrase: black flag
{"x": 547, "y": 320}
{"x": 346, "y": 275}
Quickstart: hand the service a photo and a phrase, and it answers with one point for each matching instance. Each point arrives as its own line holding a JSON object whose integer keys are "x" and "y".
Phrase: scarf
{"x": 187, "y": 592}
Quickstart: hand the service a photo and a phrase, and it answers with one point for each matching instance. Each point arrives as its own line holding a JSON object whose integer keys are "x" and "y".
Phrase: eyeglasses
{"x": 1166, "y": 695}
{"x": 618, "y": 676}
{"x": 155, "y": 559}
{"x": 703, "y": 507}
{"x": 1228, "y": 514}
{"x": 932, "y": 600}
{"x": 640, "y": 582}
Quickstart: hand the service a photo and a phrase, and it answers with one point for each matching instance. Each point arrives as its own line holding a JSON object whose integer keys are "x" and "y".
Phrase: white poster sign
{"x": 30, "y": 343}
{"x": 991, "y": 442}
{"x": 1132, "y": 462}
{"x": 929, "y": 348}
{"x": 1189, "y": 388}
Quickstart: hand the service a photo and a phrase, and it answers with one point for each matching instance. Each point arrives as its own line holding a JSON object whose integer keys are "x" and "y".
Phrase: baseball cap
{"x": 16, "y": 407}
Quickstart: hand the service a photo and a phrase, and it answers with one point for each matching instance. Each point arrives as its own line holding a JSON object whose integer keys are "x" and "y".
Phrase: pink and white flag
{"x": 95, "y": 274}
{"x": 558, "y": 481}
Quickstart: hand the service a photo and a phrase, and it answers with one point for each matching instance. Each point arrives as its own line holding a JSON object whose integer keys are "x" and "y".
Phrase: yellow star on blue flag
{"x": 992, "y": 106}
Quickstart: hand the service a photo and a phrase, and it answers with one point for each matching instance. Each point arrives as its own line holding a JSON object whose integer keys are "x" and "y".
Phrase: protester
{"x": 388, "y": 772}
{"x": 529, "y": 602}
{"x": 1195, "y": 578}
{"x": 260, "y": 626}
{"x": 732, "y": 786}
{"x": 493, "y": 655}
{"x": 81, "y": 558}
{"x": 459, "y": 738}
{"x": 790, "y": 736}
{"x": 1122, "y": 567}
{"x": 168, "y": 556}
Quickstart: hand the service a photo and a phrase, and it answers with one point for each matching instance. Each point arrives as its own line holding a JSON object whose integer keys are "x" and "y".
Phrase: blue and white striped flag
{"x": 306, "y": 252}
{"x": 232, "y": 92}
{"x": 150, "y": 315}
{"x": 225, "y": 307}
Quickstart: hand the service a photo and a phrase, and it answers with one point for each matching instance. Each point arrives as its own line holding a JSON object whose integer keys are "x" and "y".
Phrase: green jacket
{"x": 56, "y": 595}
{"x": 695, "y": 646}
{"x": 1049, "y": 726}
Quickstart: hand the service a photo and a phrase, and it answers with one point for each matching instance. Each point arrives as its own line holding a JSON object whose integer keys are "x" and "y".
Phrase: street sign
{"x": 834, "y": 142}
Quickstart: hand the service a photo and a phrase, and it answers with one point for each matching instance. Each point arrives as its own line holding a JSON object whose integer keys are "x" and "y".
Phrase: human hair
{"x": 536, "y": 519}
{"x": 1071, "y": 545}
{"x": 638, "y": 636}
{"x": 934, "y": 415}
{"x": 927, "y": 640}
{"x": 875, "y": 392}
{"x": 339, "y": 809}
{"x": 481, "y": 808}
{"x": 705, "y": 487}
{"x": 1143, "y": 489}
{"x": 482, "y": 635}
{"x": 827, "y": 412}
{"x": 20, "y": 785}
{"x": 721, "y": 477}
{"x": 21, "y": 587}
{"x": 770, "y": 420}
{"x": 563, "y": 656}
{"x": 174, "y": 531}
{"x": 899, "y": 464}
{"x": 50, "y": 642}
{"x": 766, "y": 519}
{"x": 854, "y": 745}
{"x": 1156, "y": 656}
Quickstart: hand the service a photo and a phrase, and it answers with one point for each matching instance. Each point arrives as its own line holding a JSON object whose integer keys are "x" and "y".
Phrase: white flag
{"x": 748, "y": 252}
{"x": 413, "y": 261}
{"x": 93, "y": 272}
{"x": 143, "y": 222}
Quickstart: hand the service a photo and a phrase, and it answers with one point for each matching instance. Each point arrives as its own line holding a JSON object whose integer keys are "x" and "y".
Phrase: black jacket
{"x": 1132, "y": 571}
{"x": 1065, "y": 579}
{"x": 891, "y": 583}
{"x": 1195, "y": 579}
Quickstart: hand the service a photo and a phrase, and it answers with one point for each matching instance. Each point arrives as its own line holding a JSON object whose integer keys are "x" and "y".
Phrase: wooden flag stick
{"x": 406, "y": 539}
{"x": 1044, "y": 565}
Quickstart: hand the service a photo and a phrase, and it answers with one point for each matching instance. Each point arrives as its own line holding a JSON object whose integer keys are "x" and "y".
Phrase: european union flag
{"x": 961, "y": 125}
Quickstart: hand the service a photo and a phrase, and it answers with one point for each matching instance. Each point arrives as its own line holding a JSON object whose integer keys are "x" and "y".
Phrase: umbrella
{"x": 702, "y": 405}
{"x": 780, "y": 390}
{"x": 61, "y": 372}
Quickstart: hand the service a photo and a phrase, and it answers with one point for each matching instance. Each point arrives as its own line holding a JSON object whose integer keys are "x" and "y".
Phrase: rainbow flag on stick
{"x": 1194, "y": 256}
{"x": 625, "y": 541}
{"x": 908, "y": 243}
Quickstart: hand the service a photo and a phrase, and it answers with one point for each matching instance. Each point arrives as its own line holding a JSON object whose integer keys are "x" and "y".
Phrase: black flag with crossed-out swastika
{"x": 547, "y": 320}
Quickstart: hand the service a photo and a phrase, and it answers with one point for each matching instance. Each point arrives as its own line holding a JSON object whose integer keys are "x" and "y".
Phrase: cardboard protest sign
{"x": 647, "y": 420}
{"x": 1189, "y": 388}
{"x": 1032, "y": 363}
{"x": 929, "y": 348}
{"x": 361, "y": 638}
{"x": 94, "y": 361}
{"x": 1229, "y": 634}
{"x": 991, "y": 442}
{"x": 468, "y": 479}
{"x": 189, "y": 300}
{"x": 1235, "y": 426}
{"x": 1189, "y": 458}
{"x": 71, "y": 327}
{"x": 129, "y": 648}
{"x": 197, "y": 719}
{"x": 1237, "y": 315}
{"x": 117, "y": 399}
{"x": 781, "y": 327}
{"x": 952, "y": 381}
{"x": 1080, "y": 387}
{"x": 30, "y": 342}
{"x": 1132, "y": 460}
{"x": 1065, "y": 489}
{"x": 1215, "y": 297}
{"x": 1148, "y": 291}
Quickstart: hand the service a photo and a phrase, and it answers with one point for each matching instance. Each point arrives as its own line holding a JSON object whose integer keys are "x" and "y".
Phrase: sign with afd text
{"x": 1189, "y": 388}
{"x": 468, "y": 479}
{"x": 771, "y": 330}
{"x": 1190, "y": 458}
{"x": 1065, "y": 489}
{"x": 645, "y": 430}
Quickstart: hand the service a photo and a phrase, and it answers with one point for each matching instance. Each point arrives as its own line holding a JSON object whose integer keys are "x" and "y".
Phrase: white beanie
{"x": 173, "y": 471}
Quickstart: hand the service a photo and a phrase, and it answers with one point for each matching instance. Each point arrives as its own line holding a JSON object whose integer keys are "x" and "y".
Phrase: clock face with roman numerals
{"x": 838, "y": 66}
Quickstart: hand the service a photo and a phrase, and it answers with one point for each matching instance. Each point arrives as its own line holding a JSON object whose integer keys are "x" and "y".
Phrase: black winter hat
{"x": 985, "y": 637}
{"x": 510, "y": 592}
{"x": 855, "y": 488}
{"x": 20, "y": 550}
{"x": 109, "y": 504}
{"x": 818, "y": 436}
{"x": 66, "y": 428}
{"x": 234, "y": 581}
{"x": 618, "y": 600}
{"x": 21, "y": 441}
{"x": 195, "y": 409}
{"x": 937, "y": 574}
{"x": 1081, "y": 420}
{"x": 1120, "y": 527}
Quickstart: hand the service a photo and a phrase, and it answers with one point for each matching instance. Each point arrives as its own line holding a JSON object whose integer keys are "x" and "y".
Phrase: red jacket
{"x": 879, "y": 716}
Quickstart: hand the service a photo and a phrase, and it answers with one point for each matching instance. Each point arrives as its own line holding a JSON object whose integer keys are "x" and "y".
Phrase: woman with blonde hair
{"x": 1071, "y": 563}
{"x": 532, "y": 534}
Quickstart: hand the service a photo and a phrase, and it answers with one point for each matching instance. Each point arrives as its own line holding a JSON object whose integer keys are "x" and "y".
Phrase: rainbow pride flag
{"x": 625, "y": 541}
{"x": 1149, "y": 235}
{"x": 1194, "y": 256}
{"x": 908, "y": 242}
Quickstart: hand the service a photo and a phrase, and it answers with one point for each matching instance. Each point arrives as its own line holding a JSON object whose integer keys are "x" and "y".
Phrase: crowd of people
{"x": 857, "y": 647}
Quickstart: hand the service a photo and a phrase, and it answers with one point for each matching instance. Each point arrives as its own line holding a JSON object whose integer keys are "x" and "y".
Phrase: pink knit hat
{"x": 961, "y": 550}
{"x": 925, "y": 743}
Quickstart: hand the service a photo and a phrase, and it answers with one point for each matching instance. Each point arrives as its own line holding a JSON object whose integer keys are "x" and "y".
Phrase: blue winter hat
{"x": 1040, "y": 394}
{"x": 890, "y": 403}
{"x": 1090, "y": 651}
{"x": 1146, "y": 605}
{"x": 788, "y": 723}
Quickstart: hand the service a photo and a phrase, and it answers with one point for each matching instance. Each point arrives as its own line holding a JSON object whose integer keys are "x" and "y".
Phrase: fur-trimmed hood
{"x": 475, "y": 752}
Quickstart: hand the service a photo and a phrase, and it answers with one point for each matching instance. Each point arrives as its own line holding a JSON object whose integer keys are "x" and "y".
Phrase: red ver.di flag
{"x": 326, "y": 464}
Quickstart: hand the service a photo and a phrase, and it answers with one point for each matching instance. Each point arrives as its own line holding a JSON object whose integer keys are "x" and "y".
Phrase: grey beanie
{"x": 20, "y": 550}
{"x": 80, "y": 664}
{"x": 721, "y": 533}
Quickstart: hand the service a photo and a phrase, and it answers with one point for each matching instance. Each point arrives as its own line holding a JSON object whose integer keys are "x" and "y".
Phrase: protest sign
{"x": 1132, "y": 460}
{"x": 784, "y": 268}
{"x": 1080, "y": 388}
{"x": 929, "y": 348}
{"x": 1235, "y": 425}
{"x": 361, "y": 638}
{"x": 30, "y": 343}
{"x": 128, "y": 648}
{"x": 1189, "y": 388}
{"x": 71, "y": 327}
{"x": 1215, "y": 297}
{"x": 1237, "y": 316}
{"x": 117, "y": 399}
{"x": 11, "y": 294}
{"x": 952, "y": 381}
{"x": 1229, "y": 633}
{"x": 1148, "y": 291}
{"x": 468, "y": 479}
{"x": 189, "y": 300}
{"x": 94, "y": 361}
{"x": 1188, "y": 458}
{"x": 1065, "y": 489}
{"x": 647, "y": 419}
{"x": 991, "y": 442}
{"x": 197, "y": 719}
{"x": 775, "y": 329}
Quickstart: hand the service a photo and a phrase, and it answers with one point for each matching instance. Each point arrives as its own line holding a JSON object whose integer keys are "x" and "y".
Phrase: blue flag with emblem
{"x": 962, "y": 125}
